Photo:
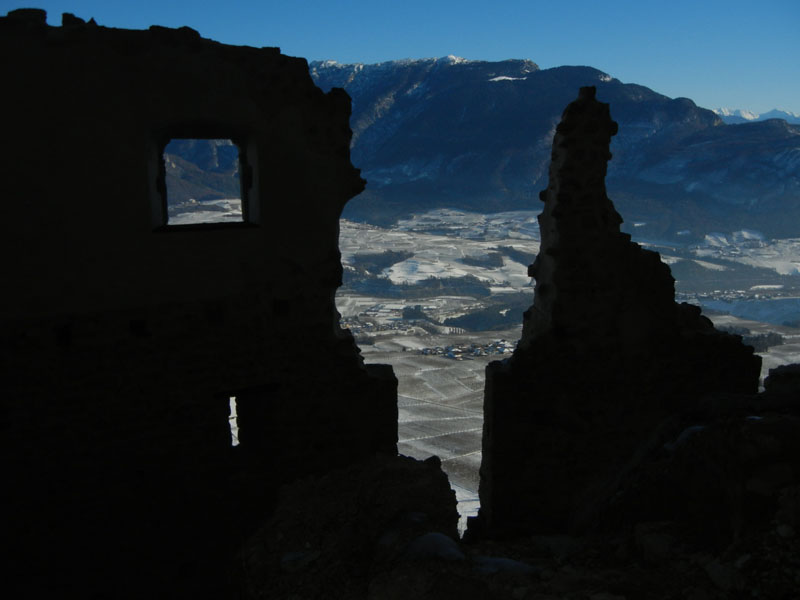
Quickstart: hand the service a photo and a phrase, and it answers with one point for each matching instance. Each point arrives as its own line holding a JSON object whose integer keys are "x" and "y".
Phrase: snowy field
{"x": 447, "y": 243}
{"x": 193, "y": 212}
{"x": 440, "y": 254}
{"x": 512, "y": 225}
{"x": 751, "y": 248}
{"x": 775, "y": 356}
{"x": 440, "y": 412}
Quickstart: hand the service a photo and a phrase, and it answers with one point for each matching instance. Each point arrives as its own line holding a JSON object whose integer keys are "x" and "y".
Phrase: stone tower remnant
{"x": 605, "y": 354}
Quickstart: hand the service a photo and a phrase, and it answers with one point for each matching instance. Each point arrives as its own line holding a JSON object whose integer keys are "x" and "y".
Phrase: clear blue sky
{"x": 719, "y": 53}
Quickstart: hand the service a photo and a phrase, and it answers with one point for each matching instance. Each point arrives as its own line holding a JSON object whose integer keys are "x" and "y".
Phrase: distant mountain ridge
{"x": 735, "y": 116}
{"x": 476, "y": 135}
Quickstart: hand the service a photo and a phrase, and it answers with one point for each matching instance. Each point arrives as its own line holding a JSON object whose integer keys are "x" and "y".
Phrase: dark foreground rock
{"x": 384, "y": 530}
{"x": 330, "y": 536}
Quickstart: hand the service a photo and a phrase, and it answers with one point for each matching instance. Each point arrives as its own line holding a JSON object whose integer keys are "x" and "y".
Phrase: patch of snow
{"x": 716, "y": 239}
{"x": 507, "y": 78}
{"x": 521, "y": 225}
{"x": 710, "y": 266}
{"x": 747, "y": 235}
{"x": 416, "y": 89}
{"x": 736, "y": 112}
{"x": 605, "y": 77}
{"x": 752, "y": 248}
{"x": 438, "y": 241}
{"x": 455, "y": 60}
{"x": 223, "y": 210}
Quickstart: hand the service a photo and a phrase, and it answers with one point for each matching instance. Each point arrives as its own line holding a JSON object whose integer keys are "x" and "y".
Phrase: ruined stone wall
{"x": 606, "y": 355}
{"x": 122, "y": 339}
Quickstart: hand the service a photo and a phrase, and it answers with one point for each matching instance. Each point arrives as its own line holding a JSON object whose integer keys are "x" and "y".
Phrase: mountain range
{"x": 734, "y": 116}
{"x": 476, "y": 135}
{"x": 201, "y": 170}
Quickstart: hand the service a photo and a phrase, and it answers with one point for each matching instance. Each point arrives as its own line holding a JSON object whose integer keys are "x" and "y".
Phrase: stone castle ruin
{"x": 605, "y": 356}
{"x": 125, "y": 340}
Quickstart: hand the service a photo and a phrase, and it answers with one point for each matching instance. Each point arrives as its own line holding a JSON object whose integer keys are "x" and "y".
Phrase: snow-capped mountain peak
{"x": 734, "y": 116}
{"x": 777, "y": 113}
{"x": 454, "y": 60}
{"x": 736, "y": 112}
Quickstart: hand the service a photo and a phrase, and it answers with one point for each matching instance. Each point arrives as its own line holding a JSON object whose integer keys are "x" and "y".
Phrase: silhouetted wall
{"x": 606, "y": 355}
{"x": 123, "y": 338}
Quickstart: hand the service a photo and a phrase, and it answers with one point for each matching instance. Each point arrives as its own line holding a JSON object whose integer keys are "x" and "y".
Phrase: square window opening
{"x": 203, "y": 182}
